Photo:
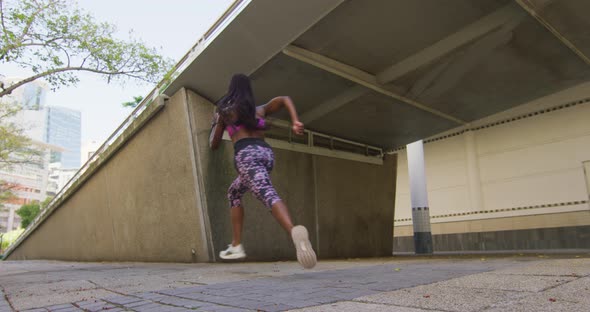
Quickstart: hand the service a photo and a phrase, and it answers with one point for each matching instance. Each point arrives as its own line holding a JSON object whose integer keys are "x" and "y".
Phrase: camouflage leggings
{"x": 254, "y": 164}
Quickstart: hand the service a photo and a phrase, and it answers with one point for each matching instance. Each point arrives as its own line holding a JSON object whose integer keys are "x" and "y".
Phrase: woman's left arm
{"x": 216, "y": 134}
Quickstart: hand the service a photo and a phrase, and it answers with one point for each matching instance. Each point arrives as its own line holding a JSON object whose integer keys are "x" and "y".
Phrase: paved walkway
{"x": 451, "y": 283}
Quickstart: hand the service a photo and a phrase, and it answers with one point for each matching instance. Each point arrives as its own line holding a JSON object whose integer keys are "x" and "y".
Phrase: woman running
{"x": 254, "y": 159}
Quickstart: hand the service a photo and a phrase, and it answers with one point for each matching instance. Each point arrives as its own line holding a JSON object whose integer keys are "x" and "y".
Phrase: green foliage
{"x": 134, "y": 103}
{"x": 15, "y": 147}
{"x": 55, "y": 40}
{"x": 46, "y": 202}
{"x": 28, "y": 213}
{"x": 10, "y": 237}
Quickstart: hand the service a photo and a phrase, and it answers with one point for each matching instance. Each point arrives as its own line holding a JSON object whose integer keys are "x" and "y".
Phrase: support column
{"x": 473, "y": 178}
{"x": 10, "y": 224}
{"x": 419, "y": 196}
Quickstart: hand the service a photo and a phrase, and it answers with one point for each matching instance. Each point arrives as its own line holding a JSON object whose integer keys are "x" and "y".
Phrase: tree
{"x": 134, "y": 103}
{"x": 55, "y": 41}
{"x": 29, "y": 212}
{"x": 15, "y": 146}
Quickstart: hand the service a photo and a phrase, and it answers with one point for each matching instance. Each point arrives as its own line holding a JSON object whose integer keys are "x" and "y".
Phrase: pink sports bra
{"x": 232, "y": 129}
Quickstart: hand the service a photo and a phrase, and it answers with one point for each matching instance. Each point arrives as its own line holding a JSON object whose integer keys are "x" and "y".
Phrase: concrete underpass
{"x": 368, "y": 78}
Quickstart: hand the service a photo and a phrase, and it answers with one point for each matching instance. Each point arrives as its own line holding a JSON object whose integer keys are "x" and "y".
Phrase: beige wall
{"x": 534, "y": 165}
{"x": 139, "y": 206}
{"x": 549, "y": 220}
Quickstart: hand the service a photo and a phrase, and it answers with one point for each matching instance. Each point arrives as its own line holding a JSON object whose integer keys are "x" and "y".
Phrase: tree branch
{"x": 30, "y": 22}
{"x": 84, "y": 60}
{"x": 19, "y": 43}
{"x": 2, "y": 21}
{"x": 67, "y": 55}
{"x": 7, "y": 113}
{"x": 11, "y": 88}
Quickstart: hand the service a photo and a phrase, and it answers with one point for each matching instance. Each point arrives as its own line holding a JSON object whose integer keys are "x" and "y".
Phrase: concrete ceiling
{"x": 387, "y": 73}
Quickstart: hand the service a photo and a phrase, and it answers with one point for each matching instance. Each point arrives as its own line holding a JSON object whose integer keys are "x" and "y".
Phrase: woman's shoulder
{"x": 260, "y": 111}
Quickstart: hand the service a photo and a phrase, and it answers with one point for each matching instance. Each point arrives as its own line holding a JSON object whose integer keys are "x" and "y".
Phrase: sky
{"x": 173, "y": 25}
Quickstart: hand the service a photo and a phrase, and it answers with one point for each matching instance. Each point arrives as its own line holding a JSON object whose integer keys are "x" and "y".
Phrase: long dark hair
{"x": 238, "y": 107}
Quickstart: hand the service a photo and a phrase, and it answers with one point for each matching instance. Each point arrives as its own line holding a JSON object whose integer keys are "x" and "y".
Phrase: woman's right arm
{"x": 277, "y": 104}
{"x": 216, "y": 134}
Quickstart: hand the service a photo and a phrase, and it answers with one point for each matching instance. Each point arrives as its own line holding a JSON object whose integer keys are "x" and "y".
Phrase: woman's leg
{"x": 235, "y": 250}
{"x": 234, "y": 194}
{"x": 281, "y": 213}
{"x": 257, "y": 177}
{"x": 256, "y": 174}
{"x": 237, "y": 220}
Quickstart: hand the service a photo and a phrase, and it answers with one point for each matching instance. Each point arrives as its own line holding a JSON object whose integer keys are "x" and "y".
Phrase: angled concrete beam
{"x": 448, "y": 74}
{"x": 241, "y": 29}
{"x": 481, "y": 28}
{"x": 451, "y": 43}
{"x": 358, "y": 76}
{"x": 534, "y": 12}
{"x": 334, "y": 103}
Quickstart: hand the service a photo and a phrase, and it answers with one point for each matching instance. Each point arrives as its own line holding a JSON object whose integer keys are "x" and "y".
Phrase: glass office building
{"x": 63, "y": 128}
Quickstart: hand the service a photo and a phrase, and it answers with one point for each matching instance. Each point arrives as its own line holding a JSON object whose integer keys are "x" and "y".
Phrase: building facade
{"x": 63, "y": 128}
{"x": 55, "y": 131}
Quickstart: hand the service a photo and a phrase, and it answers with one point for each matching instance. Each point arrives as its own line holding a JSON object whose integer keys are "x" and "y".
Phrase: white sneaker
{"x": 233, "y": 252}
{"x": 305, "y": 254}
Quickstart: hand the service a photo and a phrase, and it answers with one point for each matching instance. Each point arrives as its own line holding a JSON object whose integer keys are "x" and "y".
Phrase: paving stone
{"x": 154, "y": 307}
{"x": 508, "y": 282}
{"x": 304, "y": 289}
{"x": 122, "y": 300}
{"x": 218, "y": 308}
{"x": 275, "y": 307}
{"x": 59, "y": 307}
{"x": 541, "y": 302}
{"x": 180, "y": 302}
{"x": 438, "y": 297}
{"x": 94, "y": 305}
{"x": 347, "y": 306}
{"x": 134, "y": 305}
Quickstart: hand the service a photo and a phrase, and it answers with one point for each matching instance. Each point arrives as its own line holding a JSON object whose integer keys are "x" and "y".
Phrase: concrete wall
{"x": 354, "y": 201}
{"x": 347, "y": 206}
{"x": 567, "y": 230}
{"x": 162, "y": 194}
{"x": 485, "y": 179}
{"x": 140, "y": 205}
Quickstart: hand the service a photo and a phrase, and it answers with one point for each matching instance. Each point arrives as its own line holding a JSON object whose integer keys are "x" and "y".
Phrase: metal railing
{"x": 332, "y": 142}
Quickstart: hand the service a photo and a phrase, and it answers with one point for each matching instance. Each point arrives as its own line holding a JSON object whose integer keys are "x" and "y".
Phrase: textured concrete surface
{"x": 139, "y": 206}
{"x": 163, "y": 198}
{"x": 407, "y": 284}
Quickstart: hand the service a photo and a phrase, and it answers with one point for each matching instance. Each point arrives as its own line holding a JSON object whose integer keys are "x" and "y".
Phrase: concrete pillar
{"x": 587, "y": 174}
{"x": 11, "y": 212}
{"x": 45, "y": 173}
{"x": 473, "y": 178}
{"x": 419, "y": 198}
